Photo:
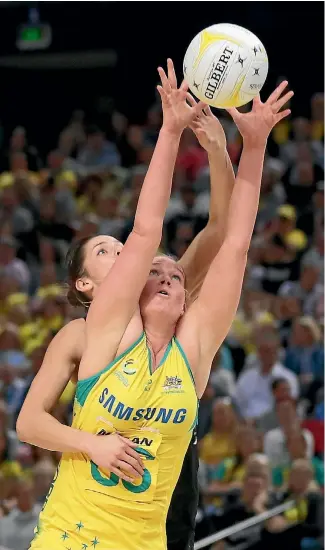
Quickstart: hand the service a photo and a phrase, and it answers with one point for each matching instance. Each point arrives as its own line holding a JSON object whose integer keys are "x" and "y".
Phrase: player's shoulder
{"x": 76, "y": 324}
{"x": 71, "y": 331}
{"x": 70, "y": 341}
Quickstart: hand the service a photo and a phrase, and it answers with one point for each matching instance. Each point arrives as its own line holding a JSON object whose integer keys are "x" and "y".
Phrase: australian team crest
{"x": 128, "y": 367}
{"x": 173, "y": 384}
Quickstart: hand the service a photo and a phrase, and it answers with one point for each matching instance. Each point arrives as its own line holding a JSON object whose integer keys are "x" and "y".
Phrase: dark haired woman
{"x": 148, "y": 358}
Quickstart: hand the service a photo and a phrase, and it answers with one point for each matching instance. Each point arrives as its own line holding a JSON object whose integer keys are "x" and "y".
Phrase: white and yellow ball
{"x": 225, "y": 65}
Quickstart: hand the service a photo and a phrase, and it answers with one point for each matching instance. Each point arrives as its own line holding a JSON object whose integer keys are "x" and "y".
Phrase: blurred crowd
{"x": 261, "y": 417}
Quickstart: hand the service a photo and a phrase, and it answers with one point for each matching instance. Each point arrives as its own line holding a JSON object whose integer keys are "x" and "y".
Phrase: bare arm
{"x": 35, "y": 423}
{"x": 199, "y": 255}
{"x": 219, "y": 296}
{"x": 118, "y": 296}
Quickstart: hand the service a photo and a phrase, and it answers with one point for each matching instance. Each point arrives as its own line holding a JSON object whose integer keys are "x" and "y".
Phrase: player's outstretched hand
{"x": 179, "y": 107}
{"x": 117, "y": 454}
{"x": 256, "y": 126}
{"x": 209, "y": 131}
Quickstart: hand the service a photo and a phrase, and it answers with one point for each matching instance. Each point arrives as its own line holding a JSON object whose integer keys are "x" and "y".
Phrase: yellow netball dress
{"x": 88, "y": 507}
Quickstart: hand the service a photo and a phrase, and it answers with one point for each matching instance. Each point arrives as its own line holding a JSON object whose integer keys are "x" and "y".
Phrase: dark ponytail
{"x": 75, "y": 267}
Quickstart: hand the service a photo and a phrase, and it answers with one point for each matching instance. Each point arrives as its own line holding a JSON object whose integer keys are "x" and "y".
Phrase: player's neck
{"x": 159, "y": 335}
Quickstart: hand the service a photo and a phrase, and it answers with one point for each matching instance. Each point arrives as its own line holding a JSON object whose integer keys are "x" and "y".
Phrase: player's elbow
{"x": 24, "y": 427}
{"x": 150, "y": 229}
{"x": 21, "y": 429}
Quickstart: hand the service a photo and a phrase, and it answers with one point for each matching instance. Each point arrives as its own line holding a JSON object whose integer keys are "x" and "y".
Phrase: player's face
{"x": 164, "y": 290}
{"x": 100, "y": 255}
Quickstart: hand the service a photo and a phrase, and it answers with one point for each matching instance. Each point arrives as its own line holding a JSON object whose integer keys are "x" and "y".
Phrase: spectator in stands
{"x": 275, "y": 440}
{"x": 222, "y": 377}
{"x": 297, "y": 450}
{"x": 305, "y": 356}
{"x": 13, "y": 212}
{"x": 107, "y": 210}
{"x": 307, "y": 290}
{"x": 19, "y": 144}
{"x": 272, "y": 197}
{"x": 9, "y": 468}
{"x": 11, "y": 354}
{"x": 17, "y": 529}
{"x": 43, "y": 473}
{"x": 281, "y": 392}
{"x": 253, "y": 395}
{"x": 98, "y": 155}
{"x": 274, "y": 265}
{"x": 9, "y": 434}
{"x": 285, "y": 310}
{"x": 315, "y": 255}
{"x": 246, "y": 503}
{"x": 229, "y": 473}
{"x": 302, "y": 523}
{"x": 11, "y": 266}
{"x": 220, "y": 442}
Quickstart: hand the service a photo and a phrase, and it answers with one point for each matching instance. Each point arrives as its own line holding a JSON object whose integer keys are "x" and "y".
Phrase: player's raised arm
{"x": 201, "y": 252}
{"x": 118, "y": 296}
{"x": 219, "y": 296}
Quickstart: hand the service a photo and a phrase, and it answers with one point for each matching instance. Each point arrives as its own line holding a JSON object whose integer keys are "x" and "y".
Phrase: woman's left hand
{"x": 256, "y": 126}
{"x": 179, "y": 107}
{"x": 209, "y": 132}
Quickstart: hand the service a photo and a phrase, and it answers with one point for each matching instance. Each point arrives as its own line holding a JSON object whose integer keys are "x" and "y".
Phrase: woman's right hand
{"x": 179, "y": 107}
{"x": 116, "y": 454}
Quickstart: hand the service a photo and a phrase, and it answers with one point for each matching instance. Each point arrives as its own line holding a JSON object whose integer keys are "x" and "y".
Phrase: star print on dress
{"x": 94, "y": 542}
{"x": 64, "y": 536}
{"x": 84, "y": 546}
{"x": 79, "y": 526}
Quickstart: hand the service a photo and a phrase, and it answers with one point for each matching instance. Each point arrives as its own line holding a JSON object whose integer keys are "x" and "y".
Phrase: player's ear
{"x": 84, "y": 284}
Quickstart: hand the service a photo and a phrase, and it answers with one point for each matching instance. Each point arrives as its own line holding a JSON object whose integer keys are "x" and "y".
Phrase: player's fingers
{"x": 127, "y": 468}
{"x": 129, "y": 442}
{"x": 257, "y": 101}
{"x": 234, "y": 113}
{"x": 171, "y": 74}
{"x": 199, "y": 107}
{"x": 277, "y": 92}
{"x": 163, "y": 95}
{"x": 207, "y": 111}
{"x": 191, "y": 99}
{"x": 282, "y": 101}
{"x": 134, "y": 454}
{"x": 134, "y": 463}
{"x": 121, "y": 475}
{"x": 184, "y": 86}
{"x": 164, "y": 80}
{"x": 199, "y": 133}
{"x": 282, "y": 115}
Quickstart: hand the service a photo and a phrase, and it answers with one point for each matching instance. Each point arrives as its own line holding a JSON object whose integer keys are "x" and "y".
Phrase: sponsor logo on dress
{"x": 128, "y": 367}
{"x": 173, "y": 384}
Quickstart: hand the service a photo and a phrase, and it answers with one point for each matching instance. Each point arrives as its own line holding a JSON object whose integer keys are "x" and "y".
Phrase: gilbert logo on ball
{"x": 225, "y": 65}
